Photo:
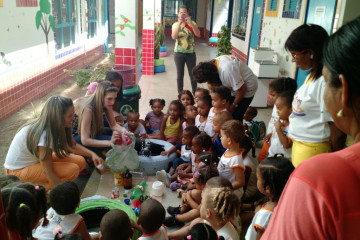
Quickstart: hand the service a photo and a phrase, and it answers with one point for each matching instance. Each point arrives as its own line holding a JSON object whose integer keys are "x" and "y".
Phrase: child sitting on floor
{"x": 203, "y": 108}
{"x": 231, "y": 165}
{"x": 115, "y": 224}
{"x": 186, "y": 98}
{"x": 218, "y": 120}
{"x": 200, "y": 143}
{"x": 171, "y": 129}
{"x": 64, "y": 199}
{"x": 154, "y": 118}
{"x": 250, "y": 114}
{"x": 191, "y": 199}
{"x": 202, "y": 231}
{"x": 184, "y": 149}
{"x": 272, "y": 175}
{"x": 220, "y": 101}
{"x": 133, "y": 124}
{"x": 151, "y": 217}
{"x": 200, "y": 92}
{"x": 189, "y": 116}
{"x": 219, "y": 205}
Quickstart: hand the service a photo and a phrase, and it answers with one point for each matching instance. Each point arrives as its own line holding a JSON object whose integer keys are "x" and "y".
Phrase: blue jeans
{"x": 106, "y": 136}
{"x": 177, "y": 162}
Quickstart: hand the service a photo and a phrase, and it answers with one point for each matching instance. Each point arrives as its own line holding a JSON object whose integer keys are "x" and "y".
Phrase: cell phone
{"x": 183, "y": 16}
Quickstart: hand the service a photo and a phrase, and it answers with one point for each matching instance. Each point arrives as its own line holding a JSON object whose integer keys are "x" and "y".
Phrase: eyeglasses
{"x": 294, "y": 55}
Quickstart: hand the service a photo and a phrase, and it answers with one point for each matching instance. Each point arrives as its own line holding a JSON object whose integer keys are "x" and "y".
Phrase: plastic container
{"x": 130, "y": 100}
{"x": 157, "y": 189}
{"x": 128, "y": 75}
{"x": 119, "y": 179}
{"x": 138, "y": 190}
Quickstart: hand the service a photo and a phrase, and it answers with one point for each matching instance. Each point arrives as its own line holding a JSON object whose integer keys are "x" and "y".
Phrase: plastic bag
{"x": 124, "y": 156}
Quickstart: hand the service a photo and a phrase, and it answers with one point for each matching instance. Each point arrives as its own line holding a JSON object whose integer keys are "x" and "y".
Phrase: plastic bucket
{"x": 128, "y": 75}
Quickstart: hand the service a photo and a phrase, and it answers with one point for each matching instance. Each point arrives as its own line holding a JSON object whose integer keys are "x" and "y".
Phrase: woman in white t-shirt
{"x": 311, "y": 127}
{"x": 40, "y": 151}
{"x": 229, "y": 71}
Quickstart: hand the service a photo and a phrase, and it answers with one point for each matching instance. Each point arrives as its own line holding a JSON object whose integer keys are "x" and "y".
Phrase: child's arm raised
{"x": 239, "y": 178}
{"x": 285, "y": 141}
{"x": 162, "y": 128}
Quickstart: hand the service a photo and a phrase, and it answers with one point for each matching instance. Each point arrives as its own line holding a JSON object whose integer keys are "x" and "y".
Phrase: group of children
{"x": 211, "y": 175}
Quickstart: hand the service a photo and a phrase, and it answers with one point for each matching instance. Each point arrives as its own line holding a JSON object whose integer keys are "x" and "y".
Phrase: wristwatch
{"x": 235, "y": 105}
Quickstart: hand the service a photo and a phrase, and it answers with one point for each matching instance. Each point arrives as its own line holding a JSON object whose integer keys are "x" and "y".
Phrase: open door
{"x": 320, "y": 12}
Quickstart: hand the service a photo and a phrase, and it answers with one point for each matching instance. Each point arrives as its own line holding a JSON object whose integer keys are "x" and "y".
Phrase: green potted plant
{"x": 158, "y": 40}
{"x": 224, "y": 44}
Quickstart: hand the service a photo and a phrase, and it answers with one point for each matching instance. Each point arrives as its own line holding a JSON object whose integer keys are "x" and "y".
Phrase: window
{"x": 92, "y": 17}
{"x": 291, "y": 9}
{"x": 241, "y": 9}
{"x": 65, "y": 17}
{"x": 272, "y": 8}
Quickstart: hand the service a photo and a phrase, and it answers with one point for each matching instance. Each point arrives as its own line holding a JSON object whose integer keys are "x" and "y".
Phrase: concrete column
{"x": 148, "y": 37}
{"x": 126, "y": 34}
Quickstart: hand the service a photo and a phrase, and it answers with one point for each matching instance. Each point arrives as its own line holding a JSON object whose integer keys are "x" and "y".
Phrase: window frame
{"x": 287, "y": 13}
{"x": 237, "y": 22}
{"x": 94, "y": 20}
{"x": 68, "y": 24}
{"x": 269, "y": 12}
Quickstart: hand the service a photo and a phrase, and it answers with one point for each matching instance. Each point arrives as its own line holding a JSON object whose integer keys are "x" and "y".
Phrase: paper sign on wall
{"x": 320, "y": 11}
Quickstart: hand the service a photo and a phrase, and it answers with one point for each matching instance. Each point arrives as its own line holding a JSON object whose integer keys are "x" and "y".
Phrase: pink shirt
{"x": 321, "y": 199}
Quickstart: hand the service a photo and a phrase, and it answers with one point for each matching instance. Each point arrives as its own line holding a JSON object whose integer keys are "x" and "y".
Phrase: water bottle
{"x": 138, "y": 190}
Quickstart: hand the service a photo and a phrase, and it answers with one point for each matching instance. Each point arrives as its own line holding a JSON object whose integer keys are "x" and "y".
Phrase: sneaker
{"x": 163, "y": 177}
{"x": 179, "y": 192}
{"x": 173, "y": 210}
{"x": 175, "y": 186}
{"x": 172, "y": 222}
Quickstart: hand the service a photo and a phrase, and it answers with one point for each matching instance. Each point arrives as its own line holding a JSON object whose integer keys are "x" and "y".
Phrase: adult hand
{"x": 188, "y": 21}
{"x": 115, "y": 136}
{"x": 96, "y": 159}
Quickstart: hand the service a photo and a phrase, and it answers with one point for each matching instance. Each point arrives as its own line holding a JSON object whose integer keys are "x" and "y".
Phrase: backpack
{"x": 257, "y": 129}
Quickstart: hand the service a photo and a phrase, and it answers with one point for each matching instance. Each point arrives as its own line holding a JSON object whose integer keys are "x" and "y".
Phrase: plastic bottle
{"x": 138, "y": 190}
{"x": 128, "y": 180}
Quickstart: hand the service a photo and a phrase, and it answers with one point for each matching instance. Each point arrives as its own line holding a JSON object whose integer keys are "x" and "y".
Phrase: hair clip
{"x": 277, "y": 155}
{"x": 22, "y": 205}
{"x": 197, "y": 174}
{"x": 188, "y": 237}
{"x": 58, "y": 230}
{"x": 37, "y": 187}
{"x": 202, "y": 164}
{"x": 218, "y": 237}
{"x": 8, "y": 182}
{"x": 56, "y": 98}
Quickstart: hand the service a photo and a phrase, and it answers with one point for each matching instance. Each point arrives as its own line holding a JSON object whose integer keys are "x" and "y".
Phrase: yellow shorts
{"x": 304, "y": 150}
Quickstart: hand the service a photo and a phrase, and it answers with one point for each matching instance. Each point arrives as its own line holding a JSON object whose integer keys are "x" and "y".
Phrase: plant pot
{"x": 162, "y": 54}
{"x": 162, "y": 48}
{"x": 158, "y": 62}
{"x": 159, "y": 69}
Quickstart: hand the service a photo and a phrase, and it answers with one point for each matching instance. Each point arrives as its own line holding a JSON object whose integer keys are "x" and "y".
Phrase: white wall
{"x": 128, "y": 9}
{"x": 350, "y": 9}
{"x": 275, "y": 31}
{"x": 18, "y": 29}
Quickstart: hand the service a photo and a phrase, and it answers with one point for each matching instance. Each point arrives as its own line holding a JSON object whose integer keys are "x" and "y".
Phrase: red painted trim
{"x": 15, "y": 98}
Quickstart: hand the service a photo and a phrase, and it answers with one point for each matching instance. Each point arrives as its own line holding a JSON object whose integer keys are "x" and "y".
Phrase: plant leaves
{"x": 122, "y": 34}
{"x": 129, "y": 26}
{"x": 38, "y": 19}
{"x": 45, "y": 6}
{"x": 122, "y": 16}
{"x": 52, "y": 22}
